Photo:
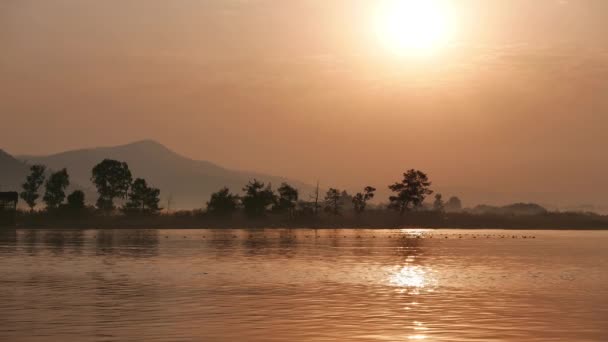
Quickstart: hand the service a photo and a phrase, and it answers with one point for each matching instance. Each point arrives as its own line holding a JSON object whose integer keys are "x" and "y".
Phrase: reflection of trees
{"x": 63, "y": 241}
{"x": 289, "y": 242}
{"x": 228, "y": 243}
{"x": 221, "y": 241}
{"x": 29, "y": 241}
{"x": 8, "y": 237}
{"x": 57, "y": 242}
{"x": 127, "y": 242}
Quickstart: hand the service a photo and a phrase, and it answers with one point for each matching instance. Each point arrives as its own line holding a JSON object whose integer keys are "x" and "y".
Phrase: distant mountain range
{"x": 188, "y": 182}
{"x": 12, "y": 172}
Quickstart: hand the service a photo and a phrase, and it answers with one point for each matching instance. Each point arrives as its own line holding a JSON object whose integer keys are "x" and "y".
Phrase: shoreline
{"x": 297, "y": 228}
{"x": 277, "y": 227}
{"x": 370, "y": 220}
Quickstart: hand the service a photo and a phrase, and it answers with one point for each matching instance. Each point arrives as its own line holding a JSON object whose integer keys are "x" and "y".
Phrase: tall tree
{"x": 438, "y": 204}
{"x": 360, "y": 199}
{"x": 411, "y": 192}
{"x": 287, "y": 199}
{"x": 76, "y": 201}
{"x": 32, "y": 184}
{"x": 222, "y": 203}
{"x": 258, "y": 198}
{"x": 112, "y": 179}
{"x": 55, "y": 189}
{"x": 142, "y": 198}
{"x": 313, "y": 204}
{"x": 333, "y": 203}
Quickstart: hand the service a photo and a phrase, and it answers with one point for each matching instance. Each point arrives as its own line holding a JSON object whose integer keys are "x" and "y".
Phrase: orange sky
{"x": 514, "y": 109}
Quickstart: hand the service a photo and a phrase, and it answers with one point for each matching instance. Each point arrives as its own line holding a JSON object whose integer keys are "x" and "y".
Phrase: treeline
{"x": 124, "y": 201}
{"x": 259, "y": 199}
{"x": 115, "y": 183}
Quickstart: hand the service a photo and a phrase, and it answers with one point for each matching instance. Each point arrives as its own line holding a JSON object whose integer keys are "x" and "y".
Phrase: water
{"x": 303, "y": 285}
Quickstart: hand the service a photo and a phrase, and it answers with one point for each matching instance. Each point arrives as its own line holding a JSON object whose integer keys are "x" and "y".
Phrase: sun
{"x": 414, "y": 27}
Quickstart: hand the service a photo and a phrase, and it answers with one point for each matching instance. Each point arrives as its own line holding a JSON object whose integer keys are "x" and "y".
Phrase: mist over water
{"x": 303, "y": 285}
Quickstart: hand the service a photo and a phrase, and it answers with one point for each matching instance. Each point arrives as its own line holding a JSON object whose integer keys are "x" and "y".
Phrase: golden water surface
{"x": 303, "y": 285}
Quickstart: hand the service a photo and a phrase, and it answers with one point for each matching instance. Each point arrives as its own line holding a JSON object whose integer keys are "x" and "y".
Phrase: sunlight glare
{"x": 415, "y": 27}
{"x": 409, "y": 276}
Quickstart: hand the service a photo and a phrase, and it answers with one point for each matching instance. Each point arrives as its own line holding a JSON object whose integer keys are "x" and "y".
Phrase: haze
{"x": 514, "y": 109}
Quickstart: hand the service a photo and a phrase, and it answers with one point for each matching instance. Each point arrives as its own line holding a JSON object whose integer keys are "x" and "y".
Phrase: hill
{"x": 188, "y": 182}
{"x": 12, "y": 172}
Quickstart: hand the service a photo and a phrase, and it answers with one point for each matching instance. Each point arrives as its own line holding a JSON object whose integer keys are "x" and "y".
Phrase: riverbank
{"x": 370, "y": 220}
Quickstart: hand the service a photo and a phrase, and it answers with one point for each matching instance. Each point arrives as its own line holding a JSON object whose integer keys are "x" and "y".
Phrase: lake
{"x": 303, "y": 285}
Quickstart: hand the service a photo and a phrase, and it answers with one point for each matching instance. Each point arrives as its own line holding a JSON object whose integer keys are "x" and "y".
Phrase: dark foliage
{"x": 222, "y": 203}
{"x": 112, "y": 179}
{"x": 333, "y": 201}
{"x": 32, "y": 184}
{"x": 55, "y": 189}
{"x": 287, "y": 199}
{"x": 258, "y": 198}
{"x": 411, "y": 192}
{"x": 76, "y": 201}
{"x": 360, "y": 199}
{"x": 142, "y": 198}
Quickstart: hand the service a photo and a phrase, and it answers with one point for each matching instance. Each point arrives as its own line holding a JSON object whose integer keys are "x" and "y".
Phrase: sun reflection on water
{"x": 410, "y": 276}
{"x": 412, "y": 280}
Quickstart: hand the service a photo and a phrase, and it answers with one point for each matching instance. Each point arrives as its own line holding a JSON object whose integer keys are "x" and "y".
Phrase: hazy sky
{"x": 516, "y": 105}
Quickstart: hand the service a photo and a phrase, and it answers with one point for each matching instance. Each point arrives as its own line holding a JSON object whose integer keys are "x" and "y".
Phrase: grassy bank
{"x": 371, "y": 219}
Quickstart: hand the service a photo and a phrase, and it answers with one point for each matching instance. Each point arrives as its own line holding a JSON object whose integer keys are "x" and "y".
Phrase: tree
{"x": 112, "y": 179}
{"x": 314, "y": 202}
{"x": 411, "y": 192}
{"x": 287, "y": 199}
{"x": 360, "y": 199}
{"x": 346, "y": 200}
{"x": 258, "y": 198}
{"x": 453, "y": 204}
{"x": 32, "y": 185}
{"x": 439, "y": 205}
{"x": 55, "y": 189}
{"x": 222, "y": 203}
{"x": 76, "y": 201}
{"x": 142, "y": 198}
{"x": 333, "y": 203}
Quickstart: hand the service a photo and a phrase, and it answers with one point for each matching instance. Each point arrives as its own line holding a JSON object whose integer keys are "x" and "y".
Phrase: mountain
{"x": 187, "y": 182}
{"x": 12, "y": 172}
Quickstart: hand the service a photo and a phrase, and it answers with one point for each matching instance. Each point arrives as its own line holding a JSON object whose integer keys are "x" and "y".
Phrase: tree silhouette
{"x": 55, "y": 189}
{"x": 410, "y": 192}
{"x": 439, "y": 205}
{"x": 32, "y": 185}
{"x": 75, "y": 201}
{"x": 287, "y": 199}
{"x": 333, "y": 203}
{"x": 360, "y": 199}
{"x": 222, "y": 203}
{"x": 346, "y": 200}
{"x": 258, "y": 198}
{"x": 112, "y": 179}
{"x": 453, "y": 204}
{"x": 142, "y": 198}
